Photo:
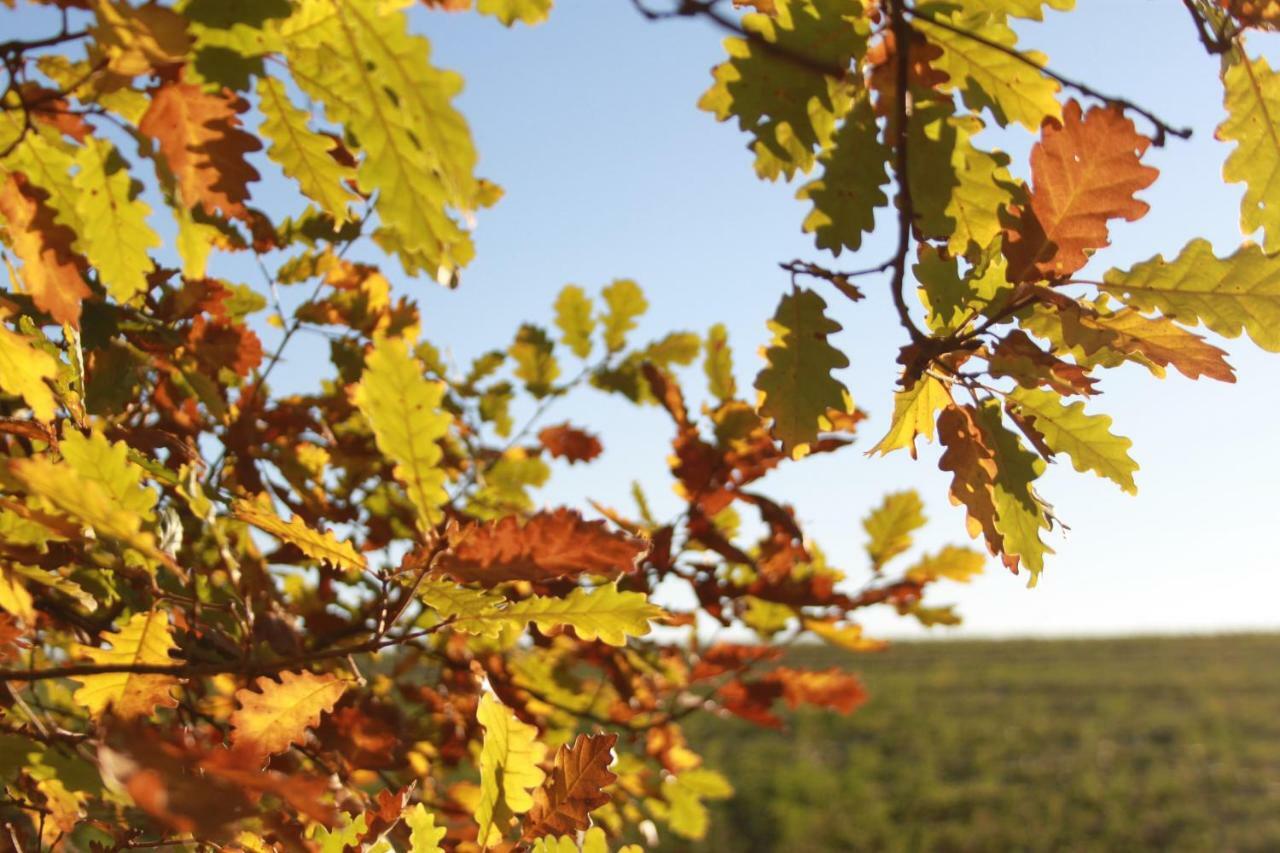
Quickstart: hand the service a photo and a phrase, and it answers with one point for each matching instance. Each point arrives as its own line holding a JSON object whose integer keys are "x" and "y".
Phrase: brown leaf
{"x": 550, "y": 545}
{"x": 574, "y": 787}
{"x": 568, "y": 442}
{"x": 199, "y": 134}
{"x": 1084, "y": 172}
{"x": 51, "y": 271}
{"x": 11, "y": 639}
{"x": 1021, "y": 359}
{"x": 973, "y": 468}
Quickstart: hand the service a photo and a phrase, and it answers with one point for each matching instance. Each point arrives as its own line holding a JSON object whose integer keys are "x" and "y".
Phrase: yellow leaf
{"x": 575, "y": 320}
{"x": 278, "y": 715}
{"x": 890, "y": 525}
{"x": 509, "y": 769}
{"x": 1087, "y": 439}
{"x": 952, "y": 562}
{"x": 114, "y": 233}
{"x": 23, "y": 371}
{"x": 424, "y": 835}
{"x": 602, "y": 613}
{"x": 846, "y": 636}
{"x": 403, "y": 409}
{"x": 145, "y": 639}
{"x": 134, "y": 40}
{"x": 509, "y": 11}
{"x": 319, "y": 545}
{"x": 95, "y": 458}
{"x": 915, "y": 411}
{"x": 626, "y": 302}
{"x": 302, "y": 153}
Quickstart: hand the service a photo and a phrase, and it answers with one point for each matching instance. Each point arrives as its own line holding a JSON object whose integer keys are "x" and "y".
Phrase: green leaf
{"x": 1020, "y": 514}
{"x": 797, "y": 384}
{"x": 988, "y": 78}
{"x": 1087, "y": 439}
{"x": 602, "y": 613}
{"x": 358, "y": 59}
{"x": 1229, "y": 294}
{"x": 303, "y": 154}
{"x": 424, "y": 835}
{"x": 717, "y": 364}
{"x": 788, "y": 108}
{"x": 1252, "y": 100}
{"x": 575, "y": 320}
{"x": 115, "y": 236}
{"x": 534, "y": 354}
{"x": 626, "y": 302}
{"x": 403, "y": 409}
{"x": 845, "y": 197}
{"x": 890, "y": 525}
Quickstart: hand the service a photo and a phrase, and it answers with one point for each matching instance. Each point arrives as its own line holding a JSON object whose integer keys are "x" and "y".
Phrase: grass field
{"x": 1132, "y": 744}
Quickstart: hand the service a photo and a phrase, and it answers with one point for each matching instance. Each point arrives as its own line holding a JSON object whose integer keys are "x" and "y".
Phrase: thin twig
{"x": 906, "y": 209}
{"x": 1163, "y": 128}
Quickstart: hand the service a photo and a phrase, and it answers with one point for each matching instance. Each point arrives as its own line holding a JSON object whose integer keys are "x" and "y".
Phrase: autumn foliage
{"x": 344, "y": 619}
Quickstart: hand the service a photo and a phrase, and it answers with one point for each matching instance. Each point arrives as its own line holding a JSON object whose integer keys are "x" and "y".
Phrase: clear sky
{"x": 589, "y": 122}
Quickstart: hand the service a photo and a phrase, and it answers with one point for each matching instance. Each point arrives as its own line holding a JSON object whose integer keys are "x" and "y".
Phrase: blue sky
{"x": 589, "y": 123}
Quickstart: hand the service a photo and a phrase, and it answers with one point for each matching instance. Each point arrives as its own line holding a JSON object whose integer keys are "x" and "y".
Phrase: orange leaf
{"x": 199, "y": 134}
{"x": 973, "y": 466}
{"x": 567, "y": 442}
{"x": 828, "y": 688}
{"x": 549, "y": 545}
{"x": 1084, "y": 172}
{"x": 51, "y": 271}
{"x": 574, "y": 787}
{"x": 272, "y": 720}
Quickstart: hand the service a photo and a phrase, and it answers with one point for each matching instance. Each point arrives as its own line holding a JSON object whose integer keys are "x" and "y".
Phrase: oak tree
{"x": 238, "y": 618}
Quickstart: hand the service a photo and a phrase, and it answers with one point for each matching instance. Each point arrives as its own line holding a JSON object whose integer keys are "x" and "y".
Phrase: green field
{"x": 1133, "y": 744}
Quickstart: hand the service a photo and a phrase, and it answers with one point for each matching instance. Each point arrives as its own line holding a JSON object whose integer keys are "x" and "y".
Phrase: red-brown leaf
{"x": 550, "y": 545}
{"x": 1084, "y": 172}
{"x": 199, "y": 134}
{"x": 574, "y": 787}
{"x": 568, "y": 442}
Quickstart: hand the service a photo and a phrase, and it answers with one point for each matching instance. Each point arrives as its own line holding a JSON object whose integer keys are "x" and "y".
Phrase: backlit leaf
{"x": 1252, "y": 101}
{"x": 1087, "y": 439}
{"x": 915, "y": 411}
{"x": 303, "y": 154}
{"x": 508, "y": 768}
{"x": 144, "y": 639}
{"x": 278, "y": 714}
{"x": 115, "y": 236}
{"x": 574, "y": 788}
{"x": 317, "y": 544}
{"x": 797, "y": 385}
{"x": 891, "y": 524}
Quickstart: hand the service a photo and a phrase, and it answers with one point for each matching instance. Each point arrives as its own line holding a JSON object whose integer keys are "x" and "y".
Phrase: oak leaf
{"x": 317, "y": 544}
{"x": 24, "y": 372}
{"x": 797, "y": 385}
{"x": 278, "y": 714}
{"x": 51, "y": 270}
{"x": 199, "y": 134}
{"x": 915, "y": 411}
{"x": 144, "y": 640}
{"x": 509, "y": 770}
{"x": 550, "y": 545}
{"x": 890, "y": 525}
{"x": 1085, "y": 171}
{"x": 570, "y": 443}
{"x": 1086, "y": 439}
{"x": 1252, "y": 101}
{"x": 574, "y": 788}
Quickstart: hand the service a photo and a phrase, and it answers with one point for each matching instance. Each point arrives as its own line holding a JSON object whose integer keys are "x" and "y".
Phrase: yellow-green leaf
{"x": 845, "y": 197}
{"x": 890, "y": 525}
{"x": 24, "y": 370}
{"x": 915, "y": 413}
{"x": 1229, "y": 294}
{"x": 319, "y": 545}
{"x": 1252, "y": 100}
{"x": 424, "y": 835}
{"x": 510, "y": 11}
{"x": 358, "y": 58}
{"x": 626, "y": 302}
{"x": 602, "y": 613}
{"x": 575, "y": 320}
{"x": 952, "y": 563}
{"x": 403, "y": 409}
{"x": 989, "y": 78}
{"x": 1087, "y": 439}
{"x": 718, "y": 364}
{"x": 303, "y": 154}
{"x": 797, "y": 386}
{"x": 509, "y": 769}
{"x": 145, "y": 639}
{"x": 107, "y": 463}
{"x": 114, "y": 234}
